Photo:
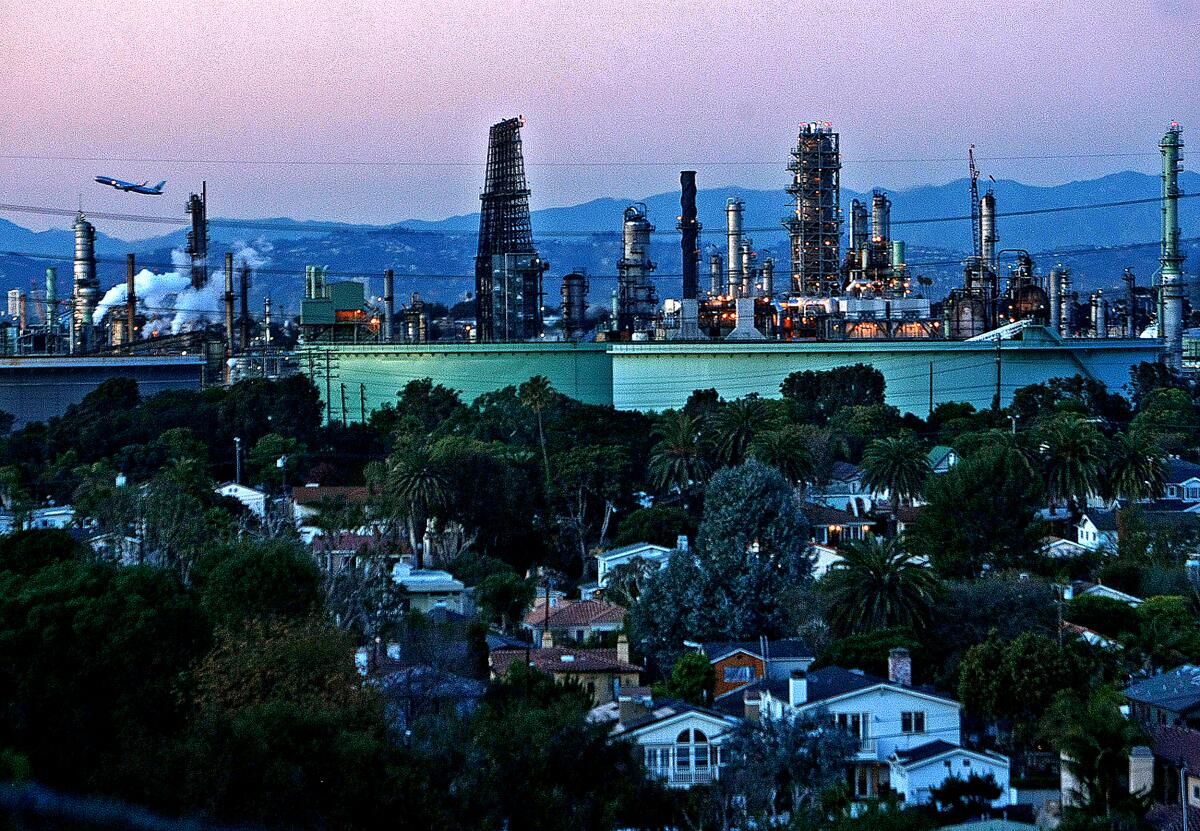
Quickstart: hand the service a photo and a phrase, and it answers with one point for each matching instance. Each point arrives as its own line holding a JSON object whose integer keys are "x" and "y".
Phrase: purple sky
{"x": 678, "y": 82}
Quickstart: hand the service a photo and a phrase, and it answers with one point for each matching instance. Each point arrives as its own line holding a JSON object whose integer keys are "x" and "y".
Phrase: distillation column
{"x": 1171, "y": 325}
{"x": 734, "y": 210}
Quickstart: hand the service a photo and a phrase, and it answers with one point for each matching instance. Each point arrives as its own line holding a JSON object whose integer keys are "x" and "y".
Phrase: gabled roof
{"x": 1177, "y": 691}
{"x": 642, "y": 548}
{"x": 783, "y": 649}
{"x": 833, "y": 682}
{"x": 554, "y": 659}
{"x": 928, "y": 752}
{"x": 664, "y": 711}
{"x": 572, "y": 614}
{"x": 819, "y": 515}
{"x": 310, "y": 495}
{"x": 938, "y": 454}
{"x": 1103, "y": 520}
{"x": 844, "y": 472}
{"x": 1180, "y": 470}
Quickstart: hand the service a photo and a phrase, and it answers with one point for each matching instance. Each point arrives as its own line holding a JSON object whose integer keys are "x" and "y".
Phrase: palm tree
{"x": 898, "y": 465}
{"x": 1072, "y": 457}
{"x": 677, "y": 460}
{"x": 417, "y": 487}
{"x": 879, "y": 584}
{"x": 1136, "y": 469}
{"x": 536, "y": 395}
{"x": 784, "y": 449}
{"x": 737, "y": 423}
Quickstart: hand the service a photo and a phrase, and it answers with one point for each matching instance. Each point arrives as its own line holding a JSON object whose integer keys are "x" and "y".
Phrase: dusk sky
{"x": 686, "y": 84}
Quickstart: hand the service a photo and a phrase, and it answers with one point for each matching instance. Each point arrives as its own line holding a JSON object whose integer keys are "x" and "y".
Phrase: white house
{"x": 942, "y": 458}
{"x": 1082, "y": 588}
{"x": 254, "y": 499}
{"x": 427, "y": 588}
{"x": 658, "y": 555}
{"x": 915, "y": 773}
{"x": 681, "y": 744}
{"x": 1097, "y": 530}
{"x": 48, "y": 516}
{"x": 844, "y": 490}
{"x": 894, "y": 722}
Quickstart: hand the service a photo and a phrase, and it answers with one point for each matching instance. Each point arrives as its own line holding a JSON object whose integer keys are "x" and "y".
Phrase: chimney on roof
{"x": 633, "y": 703}
{"x": 547, "y": 639}
{"x": 900, "y": 667}
{"x": 798, "y": 688}
{"x": 1141, "y": 770}
{"x": 622, "y": 648}
{"x": 752, "y": 701}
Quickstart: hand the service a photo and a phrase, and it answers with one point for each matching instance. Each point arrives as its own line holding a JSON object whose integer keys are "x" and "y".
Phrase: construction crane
{"x": 976, "y": 233}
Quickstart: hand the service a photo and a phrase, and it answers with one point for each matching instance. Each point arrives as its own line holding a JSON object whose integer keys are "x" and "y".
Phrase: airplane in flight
{"x": 132, "y": 187}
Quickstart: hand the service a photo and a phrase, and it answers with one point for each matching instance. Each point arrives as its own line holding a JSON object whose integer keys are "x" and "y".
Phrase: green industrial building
{"x": 657, "y": 375}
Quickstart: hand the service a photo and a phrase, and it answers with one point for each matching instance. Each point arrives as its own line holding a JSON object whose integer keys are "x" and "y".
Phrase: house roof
{"x": 1083, "y": 587}
{"x": 784, "y": 649}
{"x": 824, "y": 515}
{"x": 572, "y": 614}
{"x": 1177, "y": 745}
{"x": 831, "y": 682}
{"x": 429, "y": 682}
{"x": 1177, "y": 691}
{"x": 666, "y": 710}
{"x": 554, "y": 659}
{"x": 1103, "y": 520}
{"x": 1170, "y": 520}
{"x": 312, "y": 495}
{"x": 921, "y": 752}
{"x": 938, "y": 454}
{"x": 357, "y": 543}
{"x": 1180, "y": 470}
{"x": 496, "y": 642}
{"x": 643, "y": 548}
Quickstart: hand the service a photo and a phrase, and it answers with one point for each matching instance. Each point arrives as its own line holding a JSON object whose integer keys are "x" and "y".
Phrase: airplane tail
{"x": 159, "y": 186}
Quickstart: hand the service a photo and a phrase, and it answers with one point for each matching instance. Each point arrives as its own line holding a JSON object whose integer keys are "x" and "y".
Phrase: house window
{"x": 735, "y": 674}
{"x": 1196, "y": 792}
{"x": 913, "y": 722}
{"x": 691, "y": 750}
{"x": 966, "y": 763}
{"x": 853, "y": 723}
{"x": 1193, "y": 492}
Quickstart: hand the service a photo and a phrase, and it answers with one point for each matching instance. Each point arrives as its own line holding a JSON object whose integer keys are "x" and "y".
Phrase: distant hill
{"x": 436, "y": 258}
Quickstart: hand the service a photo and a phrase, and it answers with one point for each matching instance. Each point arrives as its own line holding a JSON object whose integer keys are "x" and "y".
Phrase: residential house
{"x": 1083, "y": 588}
{"x": 942, "y": 458}
{"x": 681, "y": 744}
{"x": 1170, "y": 699}
{"x": 833, "y": 526}
{"x": 738, "y": 665}
{"x": 1182, "y": 491}
{"x": 825, "y": 559}
{"x": 1171, "y": 762}
{"x": 1058, "y": 548}
{"x": 113, "y": 547}
{"x": 45, "y": 517}
{"x": 844, "y": 490}
{"x": 414, "y": 692}
{"x": 254, "y": 499}
{"x": 1096, "y": 530}
{"x": 606, "y": 561}
{"x": 306, "y": 502}
{"x": 602, "y": 672}
{"x": 428, "y": 588}
{"x": 909, "y": 738}
{"x": 574, "y": 620}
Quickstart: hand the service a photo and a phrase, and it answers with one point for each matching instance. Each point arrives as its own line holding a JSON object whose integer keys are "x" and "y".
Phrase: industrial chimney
{"x": 574, "y": 304}
{"x": 86, "y": 287}
{"x": 734, "y": 210}
{"x": 1171, "y": 324}
{"x": 389, "y": 305}
{"x": 637, "y": 301}
{"x": 716, "y": 273}
{"x": 689, "y": 227}
{"x": 197, "y": 238}
{"x": 987, "y": 220}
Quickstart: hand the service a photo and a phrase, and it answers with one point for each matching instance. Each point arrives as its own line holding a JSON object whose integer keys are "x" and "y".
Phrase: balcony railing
{"x": 683, "y": 778}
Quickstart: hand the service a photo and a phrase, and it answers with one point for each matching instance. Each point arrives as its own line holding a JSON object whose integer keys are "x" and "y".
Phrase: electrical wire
{"x": 423, "y": 163}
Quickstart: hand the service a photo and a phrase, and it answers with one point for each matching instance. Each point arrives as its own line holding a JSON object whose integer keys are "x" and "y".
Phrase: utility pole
{"x": 996, "y": 405}
{"x": 931, "y": 389}
{"x": 343, "y": 405}
{"x": 328, "y": 393}
{"x": 362, "y": 402}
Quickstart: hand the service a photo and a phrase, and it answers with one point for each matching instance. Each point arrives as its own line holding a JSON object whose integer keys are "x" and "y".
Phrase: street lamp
{"x": 237, "y": 460}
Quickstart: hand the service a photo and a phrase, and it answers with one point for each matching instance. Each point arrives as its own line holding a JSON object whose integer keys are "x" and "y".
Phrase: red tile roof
{"x": 573, "y": 614}
{"x": 310, "y": 496}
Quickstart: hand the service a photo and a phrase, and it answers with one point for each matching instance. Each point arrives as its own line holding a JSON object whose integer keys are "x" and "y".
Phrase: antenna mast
{"x": 976, "y": 233}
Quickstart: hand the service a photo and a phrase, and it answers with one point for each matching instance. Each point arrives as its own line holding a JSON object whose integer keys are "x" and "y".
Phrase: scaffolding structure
{"x": 504, "y": 231}
{"x": 815, "y": 230}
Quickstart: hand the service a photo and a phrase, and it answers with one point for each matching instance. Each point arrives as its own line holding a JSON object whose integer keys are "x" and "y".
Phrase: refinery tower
{"x": 508, "y": 271}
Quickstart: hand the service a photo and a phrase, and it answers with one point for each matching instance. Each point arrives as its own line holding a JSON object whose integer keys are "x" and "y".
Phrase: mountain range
{"x": 436, "y": 258}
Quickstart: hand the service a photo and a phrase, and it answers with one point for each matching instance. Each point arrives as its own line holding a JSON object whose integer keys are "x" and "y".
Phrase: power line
{"x": 434, "y": 163}
{"x": 251, "y": 224}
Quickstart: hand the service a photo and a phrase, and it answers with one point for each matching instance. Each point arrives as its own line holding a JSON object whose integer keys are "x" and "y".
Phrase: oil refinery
{"x": 846, "y": 294}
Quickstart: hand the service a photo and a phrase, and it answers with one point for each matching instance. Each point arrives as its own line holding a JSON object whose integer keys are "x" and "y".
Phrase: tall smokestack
{"x": 747, "y": 289}
{"x": 716, "y": 273}
{"x": 197, "y": 239}
{"x": 1055, "y": 300}
{"x": 733, "y": 245}
{"x": 881, "y": 217}
{"x": 1171, "y": 325}
{"x": 228, "y": 302}
{"x": 130, "y": 298}
{"x": 768, "y": 277}
{"x": 690, "y": 228}
{"x": 1099, "y": 315}
{"x": 244, "y": 279}
{"x": 267, "y": 318}
{"x": 51, "y": 308}
{"x": 1130, "y": 304}
{"x": 987, "y": 227}
{"x": 1066, "y": 302}
{"x": 86, "y": 288}
{"x": 389, "y": 304}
